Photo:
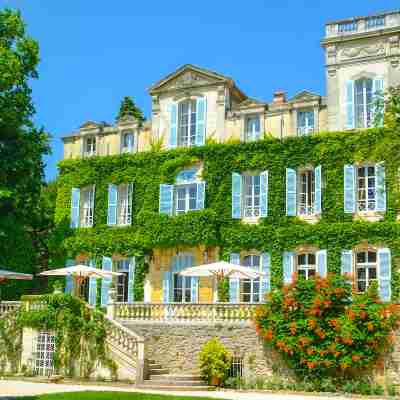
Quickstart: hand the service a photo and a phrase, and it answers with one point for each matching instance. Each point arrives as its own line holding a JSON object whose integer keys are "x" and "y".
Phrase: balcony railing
{"x": 9, "y": 306}
{"x": 189, "y": 312}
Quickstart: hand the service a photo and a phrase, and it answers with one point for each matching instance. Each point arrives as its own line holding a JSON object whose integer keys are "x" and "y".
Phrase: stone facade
{"x": 177, "y": 346}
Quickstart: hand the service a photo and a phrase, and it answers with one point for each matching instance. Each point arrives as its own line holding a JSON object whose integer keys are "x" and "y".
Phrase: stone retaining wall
{"x": 177, "y": 346}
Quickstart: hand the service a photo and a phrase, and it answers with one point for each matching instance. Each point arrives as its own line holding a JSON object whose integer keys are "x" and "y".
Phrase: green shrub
{"x": 320, "y": 332}
{"x": 215, "y": 361}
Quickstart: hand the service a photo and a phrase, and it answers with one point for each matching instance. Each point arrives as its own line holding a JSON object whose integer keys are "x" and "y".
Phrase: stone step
{"x": 158, "y": 371}
{"x": 155, "y": 386}
{"x": 173, "y": 382}
{"x": 179, "y": 378}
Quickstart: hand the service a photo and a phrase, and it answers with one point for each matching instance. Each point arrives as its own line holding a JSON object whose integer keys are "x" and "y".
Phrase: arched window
{"x": 187, "y": 116}
{"x": 363, "y": 102}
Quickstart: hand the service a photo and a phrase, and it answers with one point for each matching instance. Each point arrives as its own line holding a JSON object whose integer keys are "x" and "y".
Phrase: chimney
{"x": 279, "y": 97}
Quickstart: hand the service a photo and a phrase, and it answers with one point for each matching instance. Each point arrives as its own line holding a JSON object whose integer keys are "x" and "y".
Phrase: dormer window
{"x": 187, "y": 116}
{"x": 305, "y": 122}
{"x": 90, "y": 146}
{"x": 127, "y": 142}
{"x": 252, "y": 128}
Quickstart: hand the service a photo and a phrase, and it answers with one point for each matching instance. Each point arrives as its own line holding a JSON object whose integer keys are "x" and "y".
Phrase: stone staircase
{"x": 160, "y": 378}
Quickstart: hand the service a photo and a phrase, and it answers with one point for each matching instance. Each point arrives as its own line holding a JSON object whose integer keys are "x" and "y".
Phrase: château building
{"x": 291, "y": 185}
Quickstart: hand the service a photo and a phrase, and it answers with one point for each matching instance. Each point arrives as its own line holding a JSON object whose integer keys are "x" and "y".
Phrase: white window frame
{"x": 252, "y": 135}
{"x": 87, "y": 207}
{"x": 253, "y": 294}
{"x": 306, "y": 207}
{"x": 190, "y": 126}
{"x": 308, "y": 127}
{"x": 252, "y": 210}
{"x": 90, "y": 146}
{"x": 308, "y": 266}
{"x": 187, "y": 198}
{"x": 43, "y": 356}
{"x": 365, "y": 189}
{"x": 365, "y": 105}
{"x": 185, "y": 290}
{"x": 124, "y": 209}
{"x": 367, "y": 265}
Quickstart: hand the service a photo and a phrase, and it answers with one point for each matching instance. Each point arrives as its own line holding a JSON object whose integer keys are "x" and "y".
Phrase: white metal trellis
{"x": 44, "y": 352}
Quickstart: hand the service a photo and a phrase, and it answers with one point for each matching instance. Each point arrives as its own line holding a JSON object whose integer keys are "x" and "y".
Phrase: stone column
{"x": 112, "y": 294}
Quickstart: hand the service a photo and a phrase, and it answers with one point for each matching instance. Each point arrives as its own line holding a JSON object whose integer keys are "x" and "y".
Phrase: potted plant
{"x": 215, "y": 362}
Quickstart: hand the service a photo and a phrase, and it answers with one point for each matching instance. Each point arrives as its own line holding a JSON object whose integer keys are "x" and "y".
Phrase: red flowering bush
{"x": 322, "y": 328}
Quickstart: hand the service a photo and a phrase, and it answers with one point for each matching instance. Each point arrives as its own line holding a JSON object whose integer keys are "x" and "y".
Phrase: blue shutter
{"x": 264, "y": 194}
{"x": 349, "y": 189}
{"x": 322, "y": 263}
{"x": 291, "y": 180}
{"x": 384, "y": 274}
{"x": 69, "y": 280}
{"x": 200, "y": 197}
{"x": 288, "y": 267}
{"x": 380, "y": 191}
{"x": 166, "y": 284}
{"x": 346, "y": 267}
{"x": 92, "y": 285}
{"x": 173, "y": 134}
{"x": 75, "y": 203}
{"x": 131, "y": 279}
{"x": 105, "y": 282}
{"x": 265, "y": 280}
{"x": 234, "y": 282}
{"x": 201, "y": 110}
{"x": 378, "y": 100}
{"x": 166, "y": 199}
{"x": 236, "y": 195}
{"x": 318, "y": 190}
{"x": 350, "y": 105}
{"x": 112, "y": 204}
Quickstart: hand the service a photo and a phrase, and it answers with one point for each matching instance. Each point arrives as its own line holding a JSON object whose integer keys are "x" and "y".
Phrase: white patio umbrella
{"x": 79, "y": 272}
{"x": 220, "y": 270}
{"x": 5, "y": 275}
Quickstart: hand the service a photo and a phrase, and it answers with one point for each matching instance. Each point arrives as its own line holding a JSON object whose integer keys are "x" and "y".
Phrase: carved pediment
{"x": 362, "y": 51}
{"x": 188, "y": 76}
{"x": 305, "y": 96}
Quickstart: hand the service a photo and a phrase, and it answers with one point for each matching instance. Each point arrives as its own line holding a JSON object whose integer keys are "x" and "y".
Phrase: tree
{"x": 22, "y": 145}
{"x": 129, "y": 108}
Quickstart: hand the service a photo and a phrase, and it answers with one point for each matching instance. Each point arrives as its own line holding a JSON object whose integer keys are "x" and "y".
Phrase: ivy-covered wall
{"x": 214, "y": 226}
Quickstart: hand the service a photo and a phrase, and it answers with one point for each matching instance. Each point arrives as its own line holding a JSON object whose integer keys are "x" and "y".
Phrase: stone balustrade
{"x": 182, "y": 313}
{"x": 9, "y": 306}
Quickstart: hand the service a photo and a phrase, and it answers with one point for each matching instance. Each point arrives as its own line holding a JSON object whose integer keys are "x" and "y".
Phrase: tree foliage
{"x": 22, "y": 146}
{"x": 321, "y": 328}
{"x": 128, "y": 108}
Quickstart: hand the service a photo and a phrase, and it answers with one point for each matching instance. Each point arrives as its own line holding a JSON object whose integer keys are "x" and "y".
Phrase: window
{"x": 87, "y": 209}
{"x": 44, "y": 354}
{"x": 127, "y": 142}
{"x": 363, "y": 103}
{"x": 375, "y": 22}
{"x": 182, "y": 289}
{"x": 366, "y": 269}
{"x": 251, "y": 205}
{"x": 366, "y": 188}
{"x": 187, "y": 123}
{"x": 347, "y": 27}
{"x": 236, "y": 370}
{"x": 306, "y": 265}
{"x": 305, "y": 123}
{"x": 306, "y": 196}
{"x": 90, "y": 146}
{"x": 185, "y": 198}
{"x": 125, "y": 204}
{"x": 122, "y": 266}
{"x": 250, "y": 289}
{"x": 252, "y": 129}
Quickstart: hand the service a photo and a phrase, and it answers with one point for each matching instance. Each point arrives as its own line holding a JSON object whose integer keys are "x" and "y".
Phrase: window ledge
{"x": 370, "y": 216}
{"x": 251, "y": 220}
{"x": 310, "y": 218}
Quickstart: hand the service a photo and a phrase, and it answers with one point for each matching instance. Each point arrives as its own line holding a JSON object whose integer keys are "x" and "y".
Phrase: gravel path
{"x": 11, "y": 388}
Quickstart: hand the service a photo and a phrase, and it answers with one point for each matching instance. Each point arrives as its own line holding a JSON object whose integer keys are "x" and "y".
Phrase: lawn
{"x": 108, "y": 396}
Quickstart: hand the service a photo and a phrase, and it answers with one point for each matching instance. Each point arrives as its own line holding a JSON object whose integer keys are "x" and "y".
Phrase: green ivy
{"x": 214, "y": 226}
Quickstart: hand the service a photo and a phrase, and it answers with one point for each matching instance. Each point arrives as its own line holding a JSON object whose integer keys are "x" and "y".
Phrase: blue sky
{"x": 93, "y": 53}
